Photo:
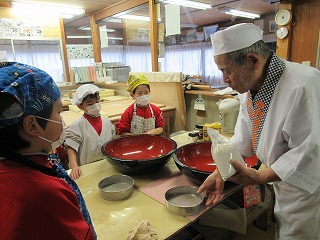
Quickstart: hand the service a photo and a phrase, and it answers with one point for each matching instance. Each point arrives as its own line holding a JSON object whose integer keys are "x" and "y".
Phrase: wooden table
{"x": 114, "y": 219}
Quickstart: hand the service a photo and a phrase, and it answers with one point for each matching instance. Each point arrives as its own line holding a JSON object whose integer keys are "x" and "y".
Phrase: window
{"x": 43, "y": 54}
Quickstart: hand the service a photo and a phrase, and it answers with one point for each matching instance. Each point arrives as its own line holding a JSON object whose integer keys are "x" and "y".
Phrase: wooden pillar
{"x": 95, "y": 34}
{"x": 64, "y": 51}
{"x": 153, "y": 35}
{"x": 283, "y": 45}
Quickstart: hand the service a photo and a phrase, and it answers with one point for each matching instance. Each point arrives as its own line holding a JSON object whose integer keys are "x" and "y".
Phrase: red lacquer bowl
{"x": 139, "y": 153}
{"x": 195, "y": 161}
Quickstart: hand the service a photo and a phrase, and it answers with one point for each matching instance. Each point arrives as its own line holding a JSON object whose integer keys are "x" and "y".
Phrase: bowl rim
{"x": 131, "y": 185}
{"x": 131, "y": 160}
{"x": 175, "y": 158}
{"x": 198, "y": 195}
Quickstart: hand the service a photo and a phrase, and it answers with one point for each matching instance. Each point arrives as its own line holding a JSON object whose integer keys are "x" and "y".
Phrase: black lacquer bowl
{"x": 139, "y": 153}
{"x": 195, "y": 161}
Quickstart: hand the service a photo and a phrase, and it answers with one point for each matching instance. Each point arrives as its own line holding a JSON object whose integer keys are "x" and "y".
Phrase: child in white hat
{"x": 87, "y": 134}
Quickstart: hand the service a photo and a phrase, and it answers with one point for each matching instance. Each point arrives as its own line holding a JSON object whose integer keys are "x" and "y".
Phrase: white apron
{"x": 82, "y": 137}
{"x": 284, "y": 133}
{"x": 139, "y": 124}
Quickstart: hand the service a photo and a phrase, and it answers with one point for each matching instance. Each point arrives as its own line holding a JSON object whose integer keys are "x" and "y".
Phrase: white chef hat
{"x": 84, "y": 91}
{"x": 234, "y": 38}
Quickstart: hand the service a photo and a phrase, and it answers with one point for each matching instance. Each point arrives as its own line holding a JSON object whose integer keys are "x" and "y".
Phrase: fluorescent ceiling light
{"x": 188, "y": 25}
{"x": 239, "y": 13}
{"x": 115, "y": 38}
{"x": 49, "y": 9}
{"x": 66, "y": 16}
{"x": 89, "y": 29}
{"x": 78, "y": 36}
{"x": 133, "y": 17}
{"x": 112, "y": 20}
{"x": 186, "y": 3}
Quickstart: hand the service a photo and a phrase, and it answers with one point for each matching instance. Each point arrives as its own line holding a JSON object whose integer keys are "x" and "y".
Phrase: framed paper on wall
{"x": 273, "y": 26}
{"x": 208, "y": 30}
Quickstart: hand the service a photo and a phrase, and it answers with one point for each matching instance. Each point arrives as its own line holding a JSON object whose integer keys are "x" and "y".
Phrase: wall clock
{"x": 282, "y": 32}
{"x": 283, "y": 17}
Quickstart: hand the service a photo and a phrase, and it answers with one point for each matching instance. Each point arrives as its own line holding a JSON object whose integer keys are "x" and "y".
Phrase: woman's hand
{"x": 212, "y": 188}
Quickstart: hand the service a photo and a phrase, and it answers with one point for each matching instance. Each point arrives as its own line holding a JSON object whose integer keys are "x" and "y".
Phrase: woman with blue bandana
{"x": 38, "y": 199}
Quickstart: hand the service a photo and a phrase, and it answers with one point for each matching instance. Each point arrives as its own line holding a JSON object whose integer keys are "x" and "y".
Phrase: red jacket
{"x": 37, "y": 206}
{"x": 124, "y": 124}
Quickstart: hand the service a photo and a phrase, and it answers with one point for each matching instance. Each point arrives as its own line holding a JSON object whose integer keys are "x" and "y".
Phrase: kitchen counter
{"x": 211, "y": 113}
{"x": 114, "y": 219}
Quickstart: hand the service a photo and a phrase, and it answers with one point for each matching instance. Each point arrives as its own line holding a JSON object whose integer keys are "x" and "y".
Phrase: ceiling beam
{"x": 117, "y": 8}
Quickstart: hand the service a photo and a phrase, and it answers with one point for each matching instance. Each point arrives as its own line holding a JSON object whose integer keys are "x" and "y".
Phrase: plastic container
{"x": 222, "y": 152}
{"x": 199, "y": 128}
{"x": 193, "y": 137}
{"x": 206, "y": 137}
{"x": 229, "y": 110}
{"x": 216, "y": 126}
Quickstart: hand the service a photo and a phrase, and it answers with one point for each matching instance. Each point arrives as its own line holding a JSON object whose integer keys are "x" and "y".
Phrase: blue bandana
{"x": 33, "y": 88}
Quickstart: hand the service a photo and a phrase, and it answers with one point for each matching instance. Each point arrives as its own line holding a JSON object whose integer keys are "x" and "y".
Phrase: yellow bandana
{"x": 136, "y": 80}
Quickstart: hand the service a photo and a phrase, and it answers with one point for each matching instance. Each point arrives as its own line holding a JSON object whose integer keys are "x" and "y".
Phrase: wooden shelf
{"x": 209, "y": 93}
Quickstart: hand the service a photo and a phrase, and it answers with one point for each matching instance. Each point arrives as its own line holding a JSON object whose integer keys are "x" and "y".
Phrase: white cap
{"x": 84, "y": 91}
{"x": 234, "y": 38}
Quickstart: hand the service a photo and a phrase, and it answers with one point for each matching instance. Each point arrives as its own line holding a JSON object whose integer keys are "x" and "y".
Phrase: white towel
{"x": 142, "y": 231}
{"x": 227, "y": 90}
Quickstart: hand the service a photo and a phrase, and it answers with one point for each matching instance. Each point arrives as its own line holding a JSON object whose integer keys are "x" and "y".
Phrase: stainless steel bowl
{"x": 116, "y": 187}
{"x": 183, "y": 200}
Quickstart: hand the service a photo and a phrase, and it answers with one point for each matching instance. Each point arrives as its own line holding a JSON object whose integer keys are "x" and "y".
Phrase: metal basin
{"x": 183, "y": 200}
{"x": 116, "y": 187}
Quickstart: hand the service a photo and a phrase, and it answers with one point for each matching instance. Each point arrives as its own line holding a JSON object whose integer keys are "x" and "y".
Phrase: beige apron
{"x": 139, "y": 124}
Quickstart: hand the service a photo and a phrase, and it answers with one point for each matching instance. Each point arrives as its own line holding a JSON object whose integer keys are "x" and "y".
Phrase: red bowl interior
{"x": 198, "y": 156}
{"x": 139, "y": 147}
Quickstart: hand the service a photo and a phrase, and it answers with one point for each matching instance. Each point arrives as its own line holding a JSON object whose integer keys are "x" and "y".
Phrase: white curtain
{"x": 41, "y": 55}
{"x": 193, "y": 59}
{"x": 185, "y": 58}
{"x": 138, "y": 58}
{"x": 80, "y": 62}
{"x": 212, "y": 75}
{"x": 113, "y": 53}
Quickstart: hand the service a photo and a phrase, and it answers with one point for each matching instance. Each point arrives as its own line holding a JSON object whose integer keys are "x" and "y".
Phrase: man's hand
{"x": 212, "y": 188}
{"x": 248, "y": 175}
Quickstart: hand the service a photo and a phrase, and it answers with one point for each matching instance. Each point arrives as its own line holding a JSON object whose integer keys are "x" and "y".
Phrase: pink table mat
{"x": 158, "y": 188}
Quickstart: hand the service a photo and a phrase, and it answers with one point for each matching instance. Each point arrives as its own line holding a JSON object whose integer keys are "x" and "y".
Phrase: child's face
{"x": 90, "y": 100}
{"x": 53, "y": 130}
{"x": 140, "y": 91}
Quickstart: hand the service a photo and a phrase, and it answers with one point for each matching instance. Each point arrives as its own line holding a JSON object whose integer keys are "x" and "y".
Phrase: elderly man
{"x": 279, "y": 121}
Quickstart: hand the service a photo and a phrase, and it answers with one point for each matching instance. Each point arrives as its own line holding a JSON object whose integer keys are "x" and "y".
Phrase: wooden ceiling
{"x": 188, "y": 15}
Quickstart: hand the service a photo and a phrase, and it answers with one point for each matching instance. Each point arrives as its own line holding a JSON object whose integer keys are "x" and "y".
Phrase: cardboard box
{"x": 229, "y": 215}
{"x": 250, "y": 195}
